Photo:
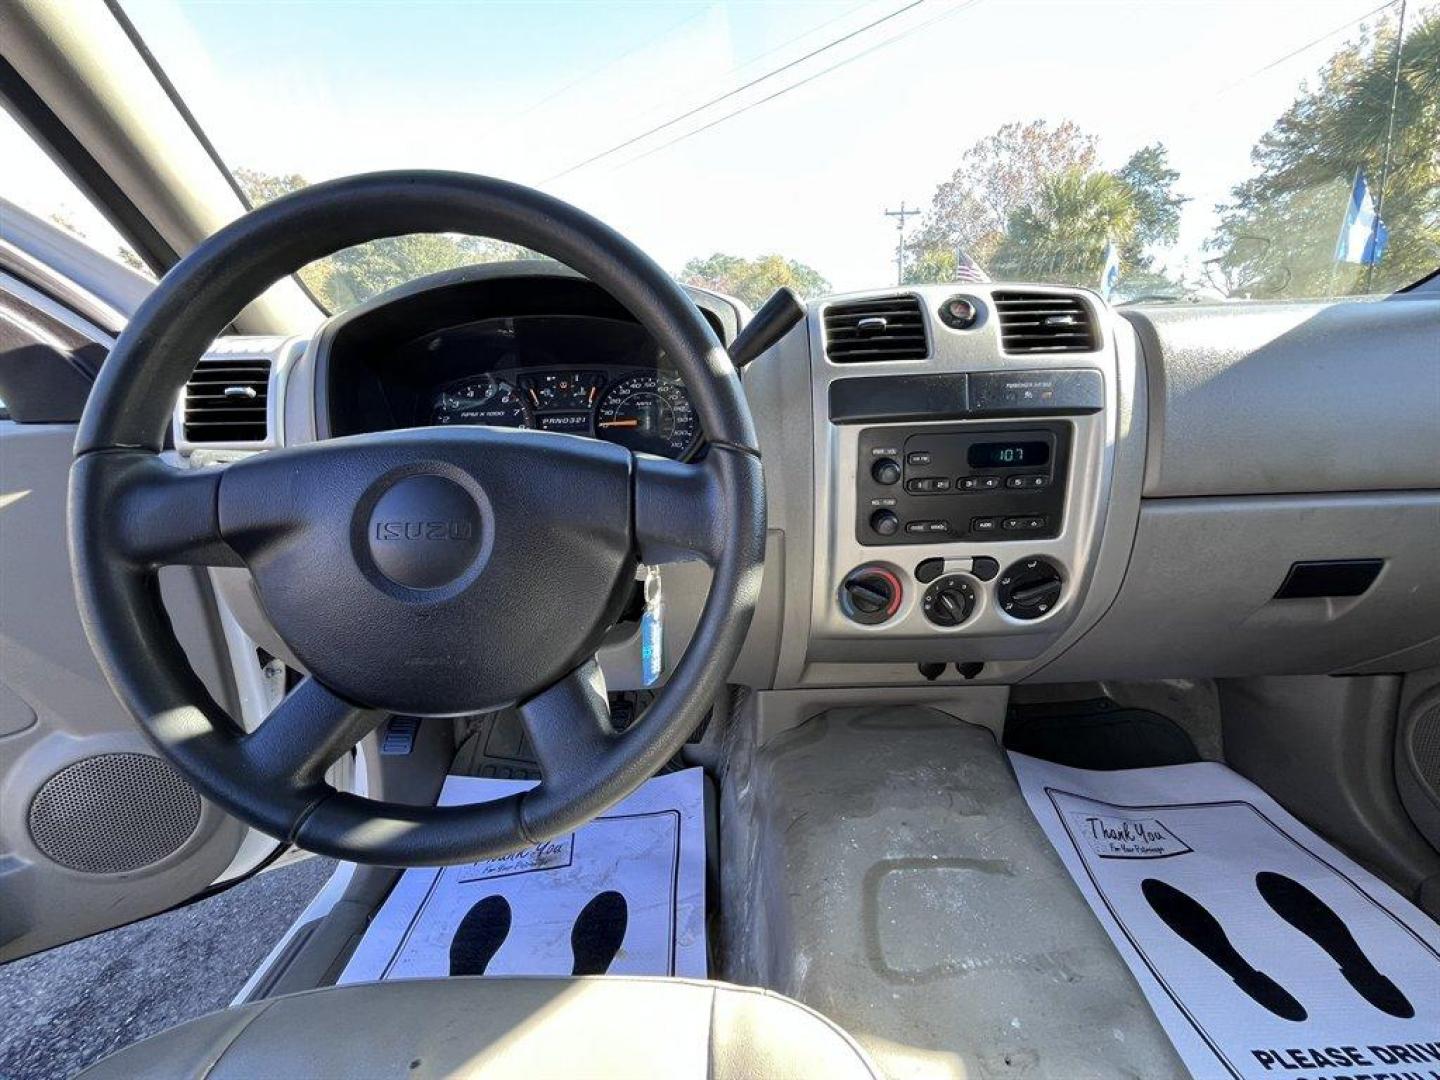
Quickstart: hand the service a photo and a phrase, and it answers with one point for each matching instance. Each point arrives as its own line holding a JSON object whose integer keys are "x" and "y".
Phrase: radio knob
{"x": 885, "y": 522}
{"x": 886, "y": 471}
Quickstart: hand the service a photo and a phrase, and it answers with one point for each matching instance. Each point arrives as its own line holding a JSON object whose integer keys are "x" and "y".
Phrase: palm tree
{"x": 1062, "y": 236}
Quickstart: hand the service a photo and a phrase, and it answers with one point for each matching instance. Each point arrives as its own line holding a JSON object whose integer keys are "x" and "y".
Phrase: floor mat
{"x": 623, "y": 895}
{"x": 1262, "y": 950}
{"x": 1097, "y": 734}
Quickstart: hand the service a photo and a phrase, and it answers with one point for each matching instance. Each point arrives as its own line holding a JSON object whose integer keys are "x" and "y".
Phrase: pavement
{"x": 72, "y": 1005}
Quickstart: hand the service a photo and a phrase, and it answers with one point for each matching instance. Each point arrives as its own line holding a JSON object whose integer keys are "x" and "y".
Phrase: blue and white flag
{"x": 1110, "y": 276}
{"x": 1362, "y": 233}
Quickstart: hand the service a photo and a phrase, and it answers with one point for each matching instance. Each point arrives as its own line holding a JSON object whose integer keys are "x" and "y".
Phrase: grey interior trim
{"x": 1198, "y": 597}
{"x": 87, "y": 72}
{"x": 66, "y": 712}
{"x": 69, "y": 270}
{"x": 1292, "y": 397}
{"x": 1324, "y": 749}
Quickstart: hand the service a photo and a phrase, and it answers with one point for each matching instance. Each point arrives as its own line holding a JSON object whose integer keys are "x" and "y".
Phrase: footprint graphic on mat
{"x": 1318, "y": 921}
{"x": 1192, "y": 921}
{"x": 599, "y": 932}
{"x": 478, "y": 938}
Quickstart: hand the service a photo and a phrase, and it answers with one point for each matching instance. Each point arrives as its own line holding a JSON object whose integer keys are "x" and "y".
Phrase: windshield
{"x": 1183, "y": 150}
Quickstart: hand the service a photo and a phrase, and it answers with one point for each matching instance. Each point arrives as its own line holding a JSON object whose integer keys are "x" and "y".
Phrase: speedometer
{"x": 481, "y": 399}
{"x": 648, "y": 412}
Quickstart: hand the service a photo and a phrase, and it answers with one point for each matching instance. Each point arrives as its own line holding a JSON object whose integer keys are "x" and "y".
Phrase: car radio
{"x": 973, "y": 483}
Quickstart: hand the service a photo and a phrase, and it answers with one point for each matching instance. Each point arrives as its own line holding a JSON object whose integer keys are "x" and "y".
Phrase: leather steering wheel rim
{"x": 304, "y": 520}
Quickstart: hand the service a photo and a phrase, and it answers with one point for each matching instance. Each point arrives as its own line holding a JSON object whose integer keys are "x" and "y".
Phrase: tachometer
{"x": 648, "y": 412}
{"x": 481, "y": 399}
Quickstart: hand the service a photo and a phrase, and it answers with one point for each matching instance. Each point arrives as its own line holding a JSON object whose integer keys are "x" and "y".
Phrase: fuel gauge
{"x": 561, "y": 390}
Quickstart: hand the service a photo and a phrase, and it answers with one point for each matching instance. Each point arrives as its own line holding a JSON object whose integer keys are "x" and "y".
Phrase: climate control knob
{"x": 949, "y": 600}
{"x": 870, "y": 595}
{"x": 1029, "y": 588}
{"x": 886, "y": 471}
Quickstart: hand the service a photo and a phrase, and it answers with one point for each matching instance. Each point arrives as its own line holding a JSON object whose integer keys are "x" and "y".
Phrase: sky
{"x": 807, "y": 119}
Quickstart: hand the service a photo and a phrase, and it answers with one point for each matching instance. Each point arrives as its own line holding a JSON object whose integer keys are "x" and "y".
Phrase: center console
{"x": 964, "y": 444}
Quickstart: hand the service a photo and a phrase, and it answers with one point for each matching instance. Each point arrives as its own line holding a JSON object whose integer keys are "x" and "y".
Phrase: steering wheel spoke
{"x": 679, "y": 510}
{"x": 569, "y": 724}
{"x": 156, "y": 514}
{"x": 305, "y": 734}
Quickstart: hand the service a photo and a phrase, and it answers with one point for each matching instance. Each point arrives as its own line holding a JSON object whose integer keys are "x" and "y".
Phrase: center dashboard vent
{"x": 1036, "y": 322}
{"x": 226, "y": 400}
{"x": 885, "y": 328}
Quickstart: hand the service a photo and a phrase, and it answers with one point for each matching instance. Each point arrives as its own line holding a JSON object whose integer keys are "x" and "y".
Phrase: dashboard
{"x": 949, "y": 497}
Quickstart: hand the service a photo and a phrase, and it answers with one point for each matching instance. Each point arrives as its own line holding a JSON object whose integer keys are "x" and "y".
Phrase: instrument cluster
{"x": 588, "y": 375}
{"x": 642, "y": 409}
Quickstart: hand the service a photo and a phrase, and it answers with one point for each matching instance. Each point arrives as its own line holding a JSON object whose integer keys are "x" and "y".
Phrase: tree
{"x": 1151, "y": 181}
{"x": 1030, "y": 202}
{"x": 996, "y": 176}
{"x": 753, "y": 280}
{"x": 354, "y": 275}
{"x": 1063, "y": 234}
{"x": 1277, "y": 234}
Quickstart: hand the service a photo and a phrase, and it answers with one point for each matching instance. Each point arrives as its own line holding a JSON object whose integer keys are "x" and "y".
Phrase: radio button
{"x": 987, "y": 483}
{"x": 984, "y": 524}
{"x": 967, "y": 483}
{"x": 1023, "y": 524}
{"x": 917, "y": 526}
{"x": 1028, "y": 481}
{"x": 940, "y": 483}
{"x": 918, "y": 457}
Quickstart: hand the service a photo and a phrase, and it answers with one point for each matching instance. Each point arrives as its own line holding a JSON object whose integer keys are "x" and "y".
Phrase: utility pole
{"x": 900, "y": 216}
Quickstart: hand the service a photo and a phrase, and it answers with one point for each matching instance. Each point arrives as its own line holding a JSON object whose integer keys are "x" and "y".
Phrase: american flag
{"x": 967, "y": 269}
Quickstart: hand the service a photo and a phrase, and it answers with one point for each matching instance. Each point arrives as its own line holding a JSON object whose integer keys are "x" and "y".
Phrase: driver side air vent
{"x": 1032, "y": 322}
{"x": 225, "y": 400}
{"x": 885, "y": 328}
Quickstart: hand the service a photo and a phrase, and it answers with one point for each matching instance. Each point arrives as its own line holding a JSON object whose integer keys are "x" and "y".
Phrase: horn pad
{"x": 437, "y": 573}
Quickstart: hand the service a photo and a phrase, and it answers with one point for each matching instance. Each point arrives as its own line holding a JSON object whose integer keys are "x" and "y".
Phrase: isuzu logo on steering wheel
{"x": 424, "y": 530}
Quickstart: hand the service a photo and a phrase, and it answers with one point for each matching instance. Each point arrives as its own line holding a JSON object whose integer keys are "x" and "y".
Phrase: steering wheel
{"x": 431, "y": 572}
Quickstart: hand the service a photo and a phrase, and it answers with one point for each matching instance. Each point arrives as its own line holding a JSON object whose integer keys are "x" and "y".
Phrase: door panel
{"x": 96, "y": 829}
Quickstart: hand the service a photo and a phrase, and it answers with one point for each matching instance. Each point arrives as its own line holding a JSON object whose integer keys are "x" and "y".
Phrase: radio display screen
{"x": 1009, "y": 455}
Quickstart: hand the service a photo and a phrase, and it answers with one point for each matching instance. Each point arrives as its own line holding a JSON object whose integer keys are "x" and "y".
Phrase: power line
{"x": 1296, "y": 52}
{"x": 590, "y": 74}
{"x": 737, "y": 90}
{"x": 808, "y": 79}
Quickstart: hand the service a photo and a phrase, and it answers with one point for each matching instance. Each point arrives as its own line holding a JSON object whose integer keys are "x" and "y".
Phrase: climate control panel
{"x": 932, "y": 483}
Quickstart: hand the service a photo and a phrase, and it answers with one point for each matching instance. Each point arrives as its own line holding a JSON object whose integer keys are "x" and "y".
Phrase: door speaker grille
{"x": 1424, "y": 738}
{"x": 113, "y": 813}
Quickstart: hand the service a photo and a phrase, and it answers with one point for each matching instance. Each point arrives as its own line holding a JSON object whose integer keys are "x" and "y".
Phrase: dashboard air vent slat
{"x": 866, "y": 331}
{"x": 1044, "y": 323}
{"x": 226, "y": 401}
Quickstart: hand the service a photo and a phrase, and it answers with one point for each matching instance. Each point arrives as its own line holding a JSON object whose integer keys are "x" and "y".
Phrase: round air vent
{"x": 113, "y": 813}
